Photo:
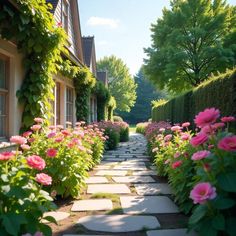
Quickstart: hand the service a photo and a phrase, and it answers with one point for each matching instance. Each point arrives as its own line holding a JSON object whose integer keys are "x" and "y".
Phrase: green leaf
{"x": 218, "y": 222}
{"x": 223, "y": 203}
{"x": 50, "y": 219}
{"x": 227, "y": 181}
{"x": 38, "y": 48}
{"x": 230, "y": 226}
{"x": 198, "y": 214}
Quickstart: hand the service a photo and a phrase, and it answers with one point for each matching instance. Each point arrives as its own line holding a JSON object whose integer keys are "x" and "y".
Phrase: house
{"x": 12, "y": 72}
{"x": 90, "y": 61}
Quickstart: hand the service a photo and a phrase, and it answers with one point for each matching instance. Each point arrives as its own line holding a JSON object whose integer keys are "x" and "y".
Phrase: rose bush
{"x": 201, "y": 169}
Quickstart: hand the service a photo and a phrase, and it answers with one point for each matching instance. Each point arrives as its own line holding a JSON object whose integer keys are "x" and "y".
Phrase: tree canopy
{"x": 121, "y": 83}
{"x": 192, "y": 40}
{"x": 146, "y": 92}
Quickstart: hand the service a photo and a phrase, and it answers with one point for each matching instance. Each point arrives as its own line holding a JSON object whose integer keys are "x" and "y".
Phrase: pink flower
{"x": 38, "y": 120}
{"x": 200, "y": 155}
{"x": 206, "y": 167}
{"x": 185, "y": 136}
{"x": 176, "y": 164}
{"x": 51, "y": 135}
{"x": 207, "y": 117}
{"x": 202, "y": 192}
{"x": 25, "y": 147}
{"x": 26, "y": 134}
{"x": 18, "y": 140}
{"x": 186, "y": 124}
{"x": 59, "y": 139}
{"x": 167, "y": 161}
{"x": 5, "y": 156}
{"x": 218, "y": 125}
{"x": 35, "y": 127}
{"x": 162, "y": 129}
{"x": 65, "y": 132}
{"x": 228, "y": 144}
{"x": 177, "y": 154}
{"x": 51, "y": 152}
{"x": 36, "y": 162}
{"x": 228, "y": 119}
{"x": 207, "y": 130}
{"x": 175, "y": 128}
{"x": 44, "y": 179}
{"x": 199, "y": 139}
{"x": 168, "y": 137}
{"x": 31, "y": 140}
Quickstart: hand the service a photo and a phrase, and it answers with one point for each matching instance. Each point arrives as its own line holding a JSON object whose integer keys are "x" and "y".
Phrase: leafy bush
{"x": 117, "y": 119}
{"x": 113, "y": 138}
{"x": 140, "y": 127}
{"x": 124, "y": 134}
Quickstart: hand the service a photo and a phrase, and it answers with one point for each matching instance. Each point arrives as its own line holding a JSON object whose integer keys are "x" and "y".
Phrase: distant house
{"x": 12, "y": 73}
{"x": 90, "y": 61}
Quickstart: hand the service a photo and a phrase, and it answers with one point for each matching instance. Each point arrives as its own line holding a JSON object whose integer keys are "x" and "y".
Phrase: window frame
{"x": 70, "y": 103}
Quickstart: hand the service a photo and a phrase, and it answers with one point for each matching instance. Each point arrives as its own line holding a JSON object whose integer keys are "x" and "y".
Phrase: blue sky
{"x": 121, "y": 27}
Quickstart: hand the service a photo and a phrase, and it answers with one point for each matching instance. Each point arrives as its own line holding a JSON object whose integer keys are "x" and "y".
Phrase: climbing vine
{"x": 103, "y": 97}
{"x": 32, "y": 27}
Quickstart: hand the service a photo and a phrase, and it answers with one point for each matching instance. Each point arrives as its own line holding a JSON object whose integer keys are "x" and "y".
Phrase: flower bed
{"x": 48, "y": 162}
{"x": 115, "y": 132}
{"x": 201, "y": 169}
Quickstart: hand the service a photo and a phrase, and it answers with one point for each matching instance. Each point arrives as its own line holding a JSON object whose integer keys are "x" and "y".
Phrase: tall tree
{"x": 121, "y": 83}
{"x": 146, "y": 92}
{"x": 192, "y": 40}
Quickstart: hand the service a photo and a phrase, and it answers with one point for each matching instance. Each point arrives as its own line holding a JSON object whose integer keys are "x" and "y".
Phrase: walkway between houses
{"x": 124, "y": 196}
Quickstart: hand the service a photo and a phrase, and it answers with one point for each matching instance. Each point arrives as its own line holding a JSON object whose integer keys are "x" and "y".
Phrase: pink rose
{"x": 207, "y": 117}
{"x": 25, "y": 147}
{"x": 35, "y": 127}
{"x": 38, "y": 120}
{"x": 51, "y": 152}
{"x": 5, "y": 156}
{"x": 199, "y": 139}
{"x": 176, "y": 164}
{"x": 36, "y": 162}
{"x": 26, "y": 134}
{"x": 202, "y": 192}
{"x": 228, "y": 144}
{"x": 44, "y": 179}
{"x": 200, "y": 155}
{"x": 186, "y": 124}
{"x": 18, "y": 140}
{"x": 228, "y": 119}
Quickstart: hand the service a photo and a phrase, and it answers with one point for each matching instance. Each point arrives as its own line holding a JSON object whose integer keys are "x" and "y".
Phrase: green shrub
{"x": 140, "y": 127}
{"x": 113, "y": 138}
{"x": 124, "y": 134}
{"x": 117, "y": 119}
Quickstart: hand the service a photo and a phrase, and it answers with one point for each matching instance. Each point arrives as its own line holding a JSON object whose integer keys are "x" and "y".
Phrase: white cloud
{"x": 99, "y": 21}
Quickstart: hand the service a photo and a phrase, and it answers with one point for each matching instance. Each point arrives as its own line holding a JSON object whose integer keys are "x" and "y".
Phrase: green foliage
{"x": 111, "y": 106}
{"x": 192, "y": 40}
{"x": 124, "y": 134}
{"x": 217, "y": 92}
{"x": 31, "y": 25}
{"x": 118, "y": 118}
{"x": 141, "y": 127}
{"x": 121, "y": 84}
{"x": 113, "y": 140}
{"x": 145, "y": 94}
{"x": 103, "y": 98}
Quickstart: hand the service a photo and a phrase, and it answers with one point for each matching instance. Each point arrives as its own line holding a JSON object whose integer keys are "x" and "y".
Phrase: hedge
{"x": 219, "y": 92}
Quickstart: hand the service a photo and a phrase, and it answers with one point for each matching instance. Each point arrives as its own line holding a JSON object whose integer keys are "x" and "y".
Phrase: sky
{"x": 121, "y": 27}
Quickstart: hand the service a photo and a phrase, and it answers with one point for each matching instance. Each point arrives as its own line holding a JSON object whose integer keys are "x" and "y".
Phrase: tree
{"x": 192, "y": 40}
{"x": 146, "y": 92}
{"x": 121, "y": 84}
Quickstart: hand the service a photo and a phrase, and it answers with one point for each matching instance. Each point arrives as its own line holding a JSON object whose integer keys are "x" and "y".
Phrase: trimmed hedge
{"x": 219, "y": 92}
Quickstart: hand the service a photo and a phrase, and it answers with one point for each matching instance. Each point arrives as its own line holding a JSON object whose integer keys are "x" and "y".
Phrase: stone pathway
{"x": 125, "y": 196}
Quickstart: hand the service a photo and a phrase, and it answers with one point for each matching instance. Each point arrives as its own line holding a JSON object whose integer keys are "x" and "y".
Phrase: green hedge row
{"x": 218, "y": 92}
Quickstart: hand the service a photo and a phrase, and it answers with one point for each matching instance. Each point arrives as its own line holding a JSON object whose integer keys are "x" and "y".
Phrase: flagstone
{"x": 96, "y": 180}
{"x": 130, "y": 168}
{"x": 118, "y": 223}
{"x": 92, "y": 205}
{"x": 114, "y": 159}
{"x": 144, "y": 172}
{"x": 108, "y": 188}
{"x": 111, "y": 172}
{"x": 148, "y": 204}
{"x": 57, "y": 215}
{"x": 152, "y": 189}
{"x": 170, "y": 232}
{"x": 134, "y": 179}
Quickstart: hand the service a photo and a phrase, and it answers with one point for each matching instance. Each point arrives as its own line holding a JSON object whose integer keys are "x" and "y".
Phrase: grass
{"x": 114, "y": 197}
{"x": 115, "y": 211}
{"x": 132, "y": 128}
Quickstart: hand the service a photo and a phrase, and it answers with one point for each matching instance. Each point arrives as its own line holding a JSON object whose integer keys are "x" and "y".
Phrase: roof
{"x": 87, "y": 43}
{"x": 54, "y": 4}
{"x": 102, "y": 76}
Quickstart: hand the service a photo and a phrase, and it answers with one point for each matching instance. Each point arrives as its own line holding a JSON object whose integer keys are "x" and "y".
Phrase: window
{"x": 65, "y": 15}
{"x": 58, "y": 104}
{"x": 69, "y": 104}
{"x": 4, "y": 63}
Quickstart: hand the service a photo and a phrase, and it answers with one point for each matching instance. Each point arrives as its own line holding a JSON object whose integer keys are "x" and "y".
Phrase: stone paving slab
{"x": 170, "y": 232}
{"x": 114, "y": 159}
{"x": 92, "y": 205}
{"x": 144, "y": 172}
{"x": 102, "y": 167}
{"x": 118, "y": 223}
{"x": 96, "y": 180}
{"x": 134, "y": 179}
{"x": 108, "y": 188}
{"x": 148, "y": 204}
{"x": 152, "y": 189}
{"x": 130, "y": 168}
{"x": 109, "y": 163}
{"x": 111, "y": 172}
{"x": 57, "y": 215}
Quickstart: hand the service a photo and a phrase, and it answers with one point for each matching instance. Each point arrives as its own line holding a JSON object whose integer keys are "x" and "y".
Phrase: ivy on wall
{"x": 32, "y": 27}
{"x": 103, "y": 97}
